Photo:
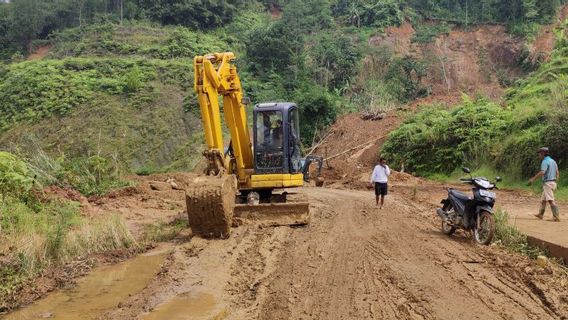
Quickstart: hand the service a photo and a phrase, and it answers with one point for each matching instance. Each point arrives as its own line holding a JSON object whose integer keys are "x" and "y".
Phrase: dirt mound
{"x": 352, "y": 147}
{"x": 40, "y": 53}
{"x": 461, "y": 61}
{"x": 56, "y": 192}
{"x": 544, "y": 42}
{"x": 154, "y": 199}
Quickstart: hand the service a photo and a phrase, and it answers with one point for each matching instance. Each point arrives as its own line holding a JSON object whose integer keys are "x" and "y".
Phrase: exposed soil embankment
{"x": 473, "y": 61}
{"x": 352, "y": 146}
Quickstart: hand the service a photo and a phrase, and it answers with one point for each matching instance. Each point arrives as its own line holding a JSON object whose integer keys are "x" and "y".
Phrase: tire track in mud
{"x": 255, "y": 263}
{"x": 356, "y": 262}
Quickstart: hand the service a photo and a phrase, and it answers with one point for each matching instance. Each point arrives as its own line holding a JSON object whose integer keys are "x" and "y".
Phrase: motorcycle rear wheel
{"x": 483, "y": 234}
{"x": 448, "y": 229}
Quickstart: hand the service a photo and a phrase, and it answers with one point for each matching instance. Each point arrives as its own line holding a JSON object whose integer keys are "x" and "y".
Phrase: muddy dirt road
{"x": 352, "y": 262}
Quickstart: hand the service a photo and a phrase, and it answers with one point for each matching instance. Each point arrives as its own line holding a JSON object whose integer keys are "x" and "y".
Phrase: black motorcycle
{"x": 474, "y": 214}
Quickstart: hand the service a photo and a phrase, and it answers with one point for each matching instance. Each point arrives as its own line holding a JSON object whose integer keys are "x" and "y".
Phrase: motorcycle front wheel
{"x": 448, "y": 229}
{"x": 484, "y": 231}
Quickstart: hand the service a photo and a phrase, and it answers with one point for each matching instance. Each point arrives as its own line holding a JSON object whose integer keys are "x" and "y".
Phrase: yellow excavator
{"x": 241, "y": 179}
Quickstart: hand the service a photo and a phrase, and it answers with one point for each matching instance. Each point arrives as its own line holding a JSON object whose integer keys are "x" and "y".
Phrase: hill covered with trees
{"x": 115, "y": 79}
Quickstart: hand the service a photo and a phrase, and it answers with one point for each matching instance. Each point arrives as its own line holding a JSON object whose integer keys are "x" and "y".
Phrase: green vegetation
{"x": 426, "y": 33}
{"x": 482, "y": 134}
{"x": 162, "y": 231}
{"x": 133, "y": 39}
{"x": 511, "y": 238}
{"x": 437, "y": 140}
{"x": 38, "y": 232}
{"x": 130, "y": 103}
{"x": 34, "y": 90}
{"x": 16, "y": 179}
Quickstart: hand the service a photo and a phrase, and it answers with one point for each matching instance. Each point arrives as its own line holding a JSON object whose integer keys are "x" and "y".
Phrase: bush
{"x": 512, "y": 238}
{"x": 16, "y": 180}
{"x": 404, "y": 78}
{"x": 93, "y": 175}
{"x": 33, "y": 240}
{"x": 34, "y": 90}
{"x": 35, "y": 235}
{"x": 439, "y": 141}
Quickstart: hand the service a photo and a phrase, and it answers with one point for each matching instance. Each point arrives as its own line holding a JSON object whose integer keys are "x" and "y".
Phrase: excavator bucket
{"x": 211, "y": 208}
{"x": 210, "y": 204}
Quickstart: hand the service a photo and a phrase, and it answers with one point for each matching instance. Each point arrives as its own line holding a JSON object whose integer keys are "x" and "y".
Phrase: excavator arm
{"x": 216, "y": 75}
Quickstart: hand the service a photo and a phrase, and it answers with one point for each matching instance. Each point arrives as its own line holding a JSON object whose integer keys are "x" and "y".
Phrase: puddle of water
{"x": 186, "y": 306}
{"x": 102, "y": 289}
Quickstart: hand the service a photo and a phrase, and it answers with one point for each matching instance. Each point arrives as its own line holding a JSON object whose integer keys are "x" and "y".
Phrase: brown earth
{"x": 354, "y": 262}
{"x": 543, "y": 44}
{"x": 461, "y": 61}
{"x": 365, "y": 136}
{"x": 140, "y": 206}
{"x": 40, "y": 53}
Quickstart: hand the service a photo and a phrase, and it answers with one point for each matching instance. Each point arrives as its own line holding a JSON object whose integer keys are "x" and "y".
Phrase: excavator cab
{"x": 276, "y": 139}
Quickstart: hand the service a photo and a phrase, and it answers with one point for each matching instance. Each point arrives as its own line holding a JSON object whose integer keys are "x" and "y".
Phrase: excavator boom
{"x": 215, "y": 75}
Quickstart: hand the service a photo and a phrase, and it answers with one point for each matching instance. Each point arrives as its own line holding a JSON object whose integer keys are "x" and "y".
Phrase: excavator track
{"x": 210, "y": 204}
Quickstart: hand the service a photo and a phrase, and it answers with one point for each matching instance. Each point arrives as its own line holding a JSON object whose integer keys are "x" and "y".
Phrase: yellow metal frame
{"x": 262, "y": 181}
{"x": 215, "y": 75}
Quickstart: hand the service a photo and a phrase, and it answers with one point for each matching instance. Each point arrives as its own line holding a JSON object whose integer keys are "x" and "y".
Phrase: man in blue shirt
{"x": 550, "y": 175}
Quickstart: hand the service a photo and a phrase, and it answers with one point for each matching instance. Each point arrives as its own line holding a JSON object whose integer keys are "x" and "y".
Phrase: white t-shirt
{"x": 380, "y": 174}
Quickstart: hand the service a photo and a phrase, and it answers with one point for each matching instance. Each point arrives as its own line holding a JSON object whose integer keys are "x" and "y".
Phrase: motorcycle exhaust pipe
{"x": 442, "y": 214}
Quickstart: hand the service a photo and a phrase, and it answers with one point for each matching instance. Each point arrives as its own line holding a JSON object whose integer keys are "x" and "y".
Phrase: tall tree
{"x": 28, "y": 19}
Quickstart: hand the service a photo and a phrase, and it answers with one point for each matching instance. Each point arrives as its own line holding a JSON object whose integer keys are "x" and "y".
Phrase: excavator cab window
{"x": 269, "y": 130}
{"x": 277, "y": 138}
{"x": 269, "y": 146}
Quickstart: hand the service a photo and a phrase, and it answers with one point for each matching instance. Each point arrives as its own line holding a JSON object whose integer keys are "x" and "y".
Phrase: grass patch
{"x": 51, "y": 235}
{"x": 38, "y": 231}
{"x": 162, "y": 231}
{"x": 512, "y": 239}
{"x": 427, "y": 33}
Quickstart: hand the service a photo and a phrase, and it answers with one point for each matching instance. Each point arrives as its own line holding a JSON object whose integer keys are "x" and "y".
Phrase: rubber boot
{"x": 540, "y": 214}
{"x": 555, "y": 213}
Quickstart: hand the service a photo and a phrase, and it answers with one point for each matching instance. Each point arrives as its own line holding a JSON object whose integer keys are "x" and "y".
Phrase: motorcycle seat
{"x": 460, "y": 195}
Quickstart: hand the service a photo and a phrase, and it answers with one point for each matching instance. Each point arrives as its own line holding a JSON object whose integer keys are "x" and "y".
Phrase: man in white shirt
{"x": 380, "y": 178}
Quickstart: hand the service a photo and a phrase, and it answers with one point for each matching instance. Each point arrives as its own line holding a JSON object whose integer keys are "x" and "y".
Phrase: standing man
{"x": 380, "y": 178}
{"x": 550, "y": 175}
